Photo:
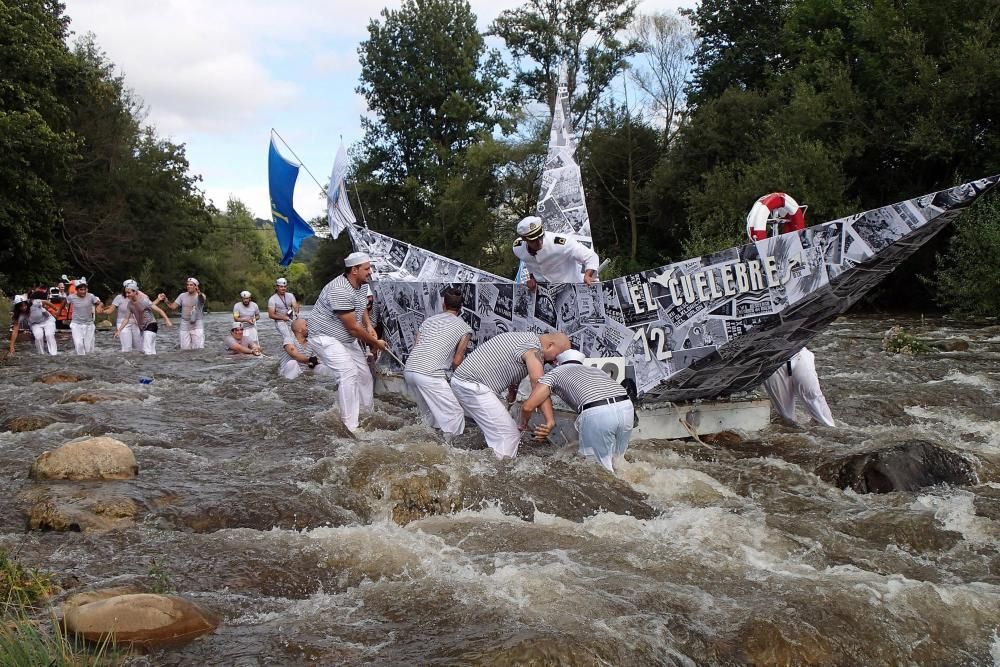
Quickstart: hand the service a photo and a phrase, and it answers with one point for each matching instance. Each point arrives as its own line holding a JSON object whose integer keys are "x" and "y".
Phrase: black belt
{"x": 603, "y": 401}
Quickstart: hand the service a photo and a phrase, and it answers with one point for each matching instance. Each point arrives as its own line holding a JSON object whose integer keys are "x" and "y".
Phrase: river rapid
{"x": 318, "y": 548}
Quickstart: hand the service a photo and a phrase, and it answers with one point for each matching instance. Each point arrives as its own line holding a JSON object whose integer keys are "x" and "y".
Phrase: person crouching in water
{"x": 236, "y": 345}
{"x": 82, "y": 324}
{"x": 140, "y": 311}
{"x": 606, "y": 412}
{"x": 297, "y": 354}
{"x": 439, "y": 346}
{"x": 192, "y": 305}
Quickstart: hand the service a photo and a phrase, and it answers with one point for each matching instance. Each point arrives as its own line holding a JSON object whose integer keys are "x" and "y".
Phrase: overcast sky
{"x": 217, "y": 76}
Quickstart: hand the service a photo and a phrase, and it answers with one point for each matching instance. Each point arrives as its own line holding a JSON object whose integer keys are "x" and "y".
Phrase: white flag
{"x": 338, "y": 208}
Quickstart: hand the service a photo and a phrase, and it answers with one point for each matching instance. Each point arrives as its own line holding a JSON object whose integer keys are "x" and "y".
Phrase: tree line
{"x": 684, "y": 120}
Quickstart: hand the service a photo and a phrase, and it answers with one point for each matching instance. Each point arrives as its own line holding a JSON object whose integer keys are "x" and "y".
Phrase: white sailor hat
{"x": 356, "y": 258}
{"x": 194, "y": 280}
{"x": 237, "y": 326}
{"x": 281, "y": 282}
{"x": 19, "y": 298}
{"x": 81, "y": 281}
{"x": 130, "y": 284}
{"x": 244, "y": 294}
{"x": 531, "y": 228}
{"x": 571, "y": 355}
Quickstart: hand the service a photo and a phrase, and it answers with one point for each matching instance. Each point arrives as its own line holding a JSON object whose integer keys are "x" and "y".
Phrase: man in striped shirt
{"x": 339, "y": 329}
{"x": 606, "y": 413}
{"x": 439, "y": 346}
{"x": 498, "y": 366}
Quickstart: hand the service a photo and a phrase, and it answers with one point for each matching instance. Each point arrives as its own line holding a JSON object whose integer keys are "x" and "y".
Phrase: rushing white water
{"x": 393, "y": 548}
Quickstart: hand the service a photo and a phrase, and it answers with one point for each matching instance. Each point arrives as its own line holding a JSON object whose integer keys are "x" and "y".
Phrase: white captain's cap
{"x": 244, "y": 294}
{"x": 531, "y": 228}
{"x": 571, "y": 356}
{"x": 356, "y": 258}
{"x": 130, "y": 284}
{"x": 281, "y": 282}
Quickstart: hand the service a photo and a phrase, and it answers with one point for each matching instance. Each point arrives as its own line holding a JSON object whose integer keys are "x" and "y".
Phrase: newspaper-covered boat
{"x": 703, "y": 328}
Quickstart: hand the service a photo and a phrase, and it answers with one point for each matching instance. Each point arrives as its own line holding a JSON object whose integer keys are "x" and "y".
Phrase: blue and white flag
{"x": 338, "y": 206}
{"x": 289, "y": 227}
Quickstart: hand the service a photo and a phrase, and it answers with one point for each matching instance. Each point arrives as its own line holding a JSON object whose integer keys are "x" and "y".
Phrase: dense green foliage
{"x": 967, "y": 280}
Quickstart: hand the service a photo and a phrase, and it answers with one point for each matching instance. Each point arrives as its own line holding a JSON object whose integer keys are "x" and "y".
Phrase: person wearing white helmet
{"x": 283, "y": 309}
{"x": 83, "y": 308}
{"x": 192, "y": 305}
{"x": 128, "y": 329}
{"x": 247, "y": 313}
{"x": 140, "y": 312}
{"x": 606, "y": 414}
{"x": 551, "y": 257}
{"x": 338, "y": 330}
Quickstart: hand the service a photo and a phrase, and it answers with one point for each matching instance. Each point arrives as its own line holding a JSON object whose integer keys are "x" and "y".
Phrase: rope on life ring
{"x": 775, "y": 206}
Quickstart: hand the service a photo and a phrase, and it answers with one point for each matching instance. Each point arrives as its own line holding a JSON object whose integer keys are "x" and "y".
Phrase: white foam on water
{"x": 674, "y": 484}
{"x": 974, "y": 380}
{"x": 995, "y": 648}
{"x": 957, "y": 512}
{"x": 990, "y": 430}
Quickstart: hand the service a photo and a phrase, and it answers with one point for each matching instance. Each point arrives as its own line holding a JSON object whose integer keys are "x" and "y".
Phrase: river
{"x": 317, "y": 548}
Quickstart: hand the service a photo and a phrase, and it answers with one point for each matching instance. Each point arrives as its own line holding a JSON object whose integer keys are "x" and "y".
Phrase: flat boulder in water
{"x": 950, "y": 345}
{"x": 140, "y": 619}
{"x": 91, "y": 458}
{"x": 24, "y": 423}
{"x": 61, "y": 378}
{"x": 908, "y": 466}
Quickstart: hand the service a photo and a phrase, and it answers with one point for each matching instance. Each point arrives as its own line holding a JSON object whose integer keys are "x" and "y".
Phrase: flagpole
{"x": 302, "y": 164}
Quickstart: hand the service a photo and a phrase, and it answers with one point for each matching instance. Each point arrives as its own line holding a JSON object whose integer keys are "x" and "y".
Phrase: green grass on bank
{"x": 30, "y": 635}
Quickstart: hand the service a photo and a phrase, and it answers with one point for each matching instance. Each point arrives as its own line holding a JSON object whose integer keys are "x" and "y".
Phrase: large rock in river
{"x": 908, "y": 466}
{"x": 91, "y": 458}
{"x": 141, "y": 619}
{"x": 24, "y": 423}
{"x": 61, "y": 378}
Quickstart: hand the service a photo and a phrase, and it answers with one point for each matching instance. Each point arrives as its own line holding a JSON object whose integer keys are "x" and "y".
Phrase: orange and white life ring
{"x": 775, "y": 206}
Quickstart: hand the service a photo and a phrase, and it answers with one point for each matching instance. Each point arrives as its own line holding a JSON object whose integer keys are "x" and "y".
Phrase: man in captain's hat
{"x": 553, "y": 258}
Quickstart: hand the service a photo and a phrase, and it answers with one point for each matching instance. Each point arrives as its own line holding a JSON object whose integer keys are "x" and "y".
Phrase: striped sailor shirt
{"x": 435, "y": 348}
{"x": 339, "y": 296}
{"x": 578, "y": 385}
{"x": 499, "y": 362}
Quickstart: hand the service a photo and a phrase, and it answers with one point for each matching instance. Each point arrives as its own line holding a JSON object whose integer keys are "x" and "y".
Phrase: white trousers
{"x": 437, "y": 403}
{"x": 291, "y": 369}
{"x": 356, "y": 387}
{"x": 605, "y": 431}
{"x": 45, "y": 336}
{"x": 491, "y": 415}
{"x": 130, "y": 337}
{"x": 803, "y": 383}
{"x": 83, "y": 337}
{"x": 149, "y": 342}
{"x": 192, "y": 337}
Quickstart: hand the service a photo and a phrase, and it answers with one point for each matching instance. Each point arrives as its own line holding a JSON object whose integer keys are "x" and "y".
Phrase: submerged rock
{"x": 906, "y": 467}
{"x": 92, "y": 458}
{"x": 90, "y": 397}
{"x": 25, "y": 423}
{"x": 141, "y": 619}
{"x": 61, "y": 378}
{"x": 950, "y": 345}
{"x": 83, "y": 514}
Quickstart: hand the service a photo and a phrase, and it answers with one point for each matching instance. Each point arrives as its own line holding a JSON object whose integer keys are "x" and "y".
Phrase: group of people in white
{"x": 340, "y": 340}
